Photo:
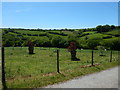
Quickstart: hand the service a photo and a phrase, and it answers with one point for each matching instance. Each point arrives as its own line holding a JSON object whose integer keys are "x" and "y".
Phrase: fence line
{"x": 60, "y": 54}
{"x": 3, "y": 70}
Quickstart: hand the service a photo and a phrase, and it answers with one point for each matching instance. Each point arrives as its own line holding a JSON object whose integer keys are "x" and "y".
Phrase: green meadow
{"x": 40, "y": 69}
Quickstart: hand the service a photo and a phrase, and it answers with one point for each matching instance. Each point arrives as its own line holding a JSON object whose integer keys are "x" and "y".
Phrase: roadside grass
{"x": 42, "y": 81}
{"x": 38, "y": 70}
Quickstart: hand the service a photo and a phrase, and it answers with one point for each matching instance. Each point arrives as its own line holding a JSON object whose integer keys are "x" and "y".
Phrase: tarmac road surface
{"x": 104, "y": 79}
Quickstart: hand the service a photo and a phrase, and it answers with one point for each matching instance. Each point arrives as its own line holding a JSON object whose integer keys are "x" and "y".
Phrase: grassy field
{"x": 90, "y": 32}
{"x": 37, "y": 70}
{"x": 97, "y": 35}
{"x": 117, "y": 31}
{"x": 30, "y": 32}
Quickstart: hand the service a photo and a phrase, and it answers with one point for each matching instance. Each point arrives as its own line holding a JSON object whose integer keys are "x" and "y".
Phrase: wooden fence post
{"x": 111, "y": 56}
{"x": 58, "y": 61}
{"x": 92, "y": 57}
{"x": 3, "y": 70}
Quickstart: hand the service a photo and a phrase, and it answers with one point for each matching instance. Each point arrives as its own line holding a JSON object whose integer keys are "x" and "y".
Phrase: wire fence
{"x": 18, "y": 63}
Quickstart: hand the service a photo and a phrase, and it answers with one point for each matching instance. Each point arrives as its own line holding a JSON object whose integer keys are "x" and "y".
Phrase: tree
{"x": 104, "y": 28}
{"x": 91, "y": 43}
{"x": 80, "y": 31}
{"x": 111, "y": 43}
{"x": 73, "y": 38}
{"x": 58, "y": 41}
{"x": 8, "y": 43}
{"x": 116, "y": 44}
{"x": 112, "y": 27}
{"x": 99, "y": 28}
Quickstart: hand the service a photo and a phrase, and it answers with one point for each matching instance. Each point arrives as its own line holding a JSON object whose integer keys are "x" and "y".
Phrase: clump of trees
{"x": 59, "y": 42}
{"x": 113, "y": 44}
{"x": 105, "y": 28}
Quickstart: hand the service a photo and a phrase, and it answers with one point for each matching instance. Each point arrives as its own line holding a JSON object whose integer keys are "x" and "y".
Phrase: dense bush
{"x": 92, "y": 43}
{"x": 58, "y": 41}
{"x": 111, "y": 43}
{"x": 43, "y": 42}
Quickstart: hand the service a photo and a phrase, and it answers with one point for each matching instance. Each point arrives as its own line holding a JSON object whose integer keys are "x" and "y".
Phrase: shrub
{"x": 58, "y": 41}
{"x": 111, "y": 43}
{"x": 92, "y": 43}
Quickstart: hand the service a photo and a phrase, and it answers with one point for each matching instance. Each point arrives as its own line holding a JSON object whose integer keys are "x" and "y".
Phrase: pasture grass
{"x": 114, "y": 32}
{"x": 40, "y": 69}
{"x": 91, "y": 32}
{"x": 96, "y": 35}
{"x": 30, "y": 32}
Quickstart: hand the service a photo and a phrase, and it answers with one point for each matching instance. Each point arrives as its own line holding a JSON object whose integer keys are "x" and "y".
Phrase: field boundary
{"x": 51, "y": 79}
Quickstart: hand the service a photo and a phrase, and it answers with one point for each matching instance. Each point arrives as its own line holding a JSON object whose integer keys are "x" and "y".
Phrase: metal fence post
{"x": 92, "y": 57}
{"x": 111, "y": 56}
{"x": 3, "y": 70}
{"x": 58, "y": 61}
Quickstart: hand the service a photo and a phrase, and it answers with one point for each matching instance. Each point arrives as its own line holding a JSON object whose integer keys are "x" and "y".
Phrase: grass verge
{"x": 52, "y": 78}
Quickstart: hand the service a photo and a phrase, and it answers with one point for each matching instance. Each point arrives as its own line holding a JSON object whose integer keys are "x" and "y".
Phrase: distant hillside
{"x": 107, "y": 36}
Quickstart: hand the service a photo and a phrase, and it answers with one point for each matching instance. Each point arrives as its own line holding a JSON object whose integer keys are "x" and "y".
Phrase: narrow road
{"x": 103, "y": 79}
